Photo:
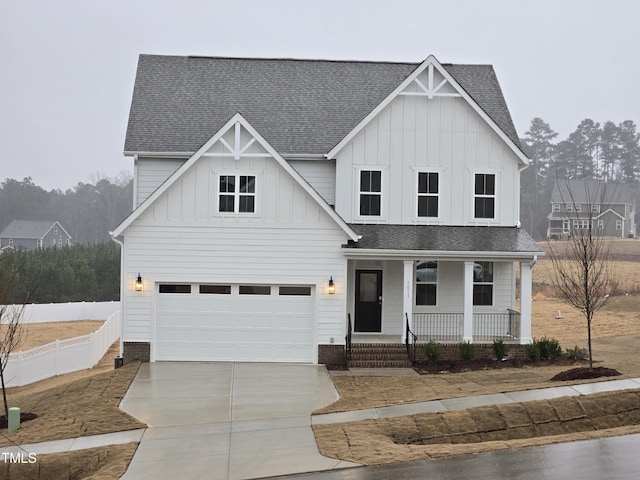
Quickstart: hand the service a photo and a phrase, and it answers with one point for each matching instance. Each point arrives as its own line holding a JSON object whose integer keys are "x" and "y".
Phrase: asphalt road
{"x": 616, "y": 458}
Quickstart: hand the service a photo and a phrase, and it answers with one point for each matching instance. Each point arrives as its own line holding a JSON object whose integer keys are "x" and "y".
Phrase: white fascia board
{"x": 438, "y": 254}
{"x": 430, "y": 60}
{"x": 237, "y": 118}
{"x": 132, "y": 153}
{"x": 607, "y": 211}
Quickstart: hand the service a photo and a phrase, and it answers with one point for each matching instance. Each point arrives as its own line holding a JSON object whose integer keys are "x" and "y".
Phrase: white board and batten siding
{"x": 441, "y": 134}
{"x": 182, "y": 238}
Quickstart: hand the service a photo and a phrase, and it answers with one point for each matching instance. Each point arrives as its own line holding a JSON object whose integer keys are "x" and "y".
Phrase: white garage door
{"x": 245, "y": 323}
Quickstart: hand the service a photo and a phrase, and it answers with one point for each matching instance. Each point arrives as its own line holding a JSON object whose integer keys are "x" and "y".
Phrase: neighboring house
{"x": 29, "y": 235}
{"x": 279, "y": 202}
{"x": 609, "y": 208}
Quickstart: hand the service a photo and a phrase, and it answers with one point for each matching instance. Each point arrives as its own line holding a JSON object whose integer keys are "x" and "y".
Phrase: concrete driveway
{"x": 227, "y": 420}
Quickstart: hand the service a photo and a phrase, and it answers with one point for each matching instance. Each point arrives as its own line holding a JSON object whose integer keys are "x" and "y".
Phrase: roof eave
{"x": 351, "y": 252}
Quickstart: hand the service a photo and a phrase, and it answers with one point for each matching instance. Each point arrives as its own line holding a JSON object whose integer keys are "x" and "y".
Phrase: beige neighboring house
{"x": 33, "y": 234}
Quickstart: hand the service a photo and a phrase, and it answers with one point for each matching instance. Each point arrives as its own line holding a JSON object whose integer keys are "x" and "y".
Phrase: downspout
{"x": 121, "y": 243}
{"x": 534, "y": 260}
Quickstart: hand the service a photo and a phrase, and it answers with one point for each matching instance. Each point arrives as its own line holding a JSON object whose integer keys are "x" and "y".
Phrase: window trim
{"x": 569, "y": 208}
{"x": 359, "y": 192}
{"x": 494, "y": 196}
{"x": 236, "y": 194}
{"x": 578, "y": 207}
{"x": 556, "y": 207}
{"x": 595, "y": 208}
{"x": 417, "y": 194}
{"x": 618, "y": 224}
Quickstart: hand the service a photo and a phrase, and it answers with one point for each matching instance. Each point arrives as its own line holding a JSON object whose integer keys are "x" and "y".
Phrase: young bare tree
{"x": 583, "y": 270}
{"x": 12, "y": 333}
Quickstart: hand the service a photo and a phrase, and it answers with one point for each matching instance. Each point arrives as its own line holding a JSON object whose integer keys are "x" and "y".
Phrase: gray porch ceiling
{"x": 434, "y": 238}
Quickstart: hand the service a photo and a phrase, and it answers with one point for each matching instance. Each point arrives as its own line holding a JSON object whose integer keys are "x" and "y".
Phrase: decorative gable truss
{"x": 426, "y": 87}
{"x": 240, "y": 147}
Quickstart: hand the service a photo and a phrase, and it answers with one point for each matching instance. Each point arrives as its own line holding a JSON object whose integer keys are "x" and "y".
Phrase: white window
{"x": 600, "y": 224}
{"x": 618, "y": 224}
{"x": 370, "y": 192}
{"x": 55, "y": 230}
{"x": 565, "y": 225}
{"x": 595, "y": 208}
{"x": 426, "y": 282}
{"x": 485, "y": 195}
{"x": 569, "y": 207}
{"x": 59, "y": 242}
{"x": 556, "y": 207}
{"x": 237, "y": 194}
{"x": 578, "y": 208}
{"x": 11, "y": 242}
{"x": 39, "y": 243}
{"x": 428, "y": 190}
{"x": 483, "y": 283}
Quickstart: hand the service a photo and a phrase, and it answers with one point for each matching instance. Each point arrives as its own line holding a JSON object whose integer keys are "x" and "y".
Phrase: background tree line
{"x": 593, "y": 151}
{"x": 89, "y": 273}
{"x": 87, "y": 211}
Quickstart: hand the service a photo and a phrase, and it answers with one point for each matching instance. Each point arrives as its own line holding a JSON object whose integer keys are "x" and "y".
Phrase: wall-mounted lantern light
{"x": 331, "y": 287}
{"x": 138, "y": 284}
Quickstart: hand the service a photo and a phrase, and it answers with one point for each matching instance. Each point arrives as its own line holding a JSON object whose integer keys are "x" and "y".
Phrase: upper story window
{"x": 237, "y": 194}
{"x": 55, "y": 230}
{"x": 483, "y": 283}
{"x": 428, "y": 194}
{"x": 370, "y": 192}
{"x": 426, "y": 282}
{"x": 569, "y": 207}
{"x": 595, "y": 208}
{"x": 578, "y": 208}
{"x": 556, "y": 207}
{"x": 485, "y": 195}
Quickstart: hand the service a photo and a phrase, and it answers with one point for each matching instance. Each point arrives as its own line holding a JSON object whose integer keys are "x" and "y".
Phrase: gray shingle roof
{"x": 27, "y": 229}
{"x": 589, "y": 191}
{"x": 299, "y": 106}
{"x": 444, "y": 238}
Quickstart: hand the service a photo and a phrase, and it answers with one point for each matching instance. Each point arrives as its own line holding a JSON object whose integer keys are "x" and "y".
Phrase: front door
{"x": 368, "y": 309}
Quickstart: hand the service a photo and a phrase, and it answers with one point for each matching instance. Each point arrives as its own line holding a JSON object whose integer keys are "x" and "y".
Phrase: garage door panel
{"x": 234, "y": 327}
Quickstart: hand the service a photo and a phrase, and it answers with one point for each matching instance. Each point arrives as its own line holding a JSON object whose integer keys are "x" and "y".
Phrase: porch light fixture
{"x": 331, "y": 287}
{"x": 138, "y": 285}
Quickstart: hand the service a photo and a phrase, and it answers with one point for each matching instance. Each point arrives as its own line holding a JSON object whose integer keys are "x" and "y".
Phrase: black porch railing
{"x": 410, "y": 340}
{"x": 347, "y": 341}
{"x": 449, "y": 327}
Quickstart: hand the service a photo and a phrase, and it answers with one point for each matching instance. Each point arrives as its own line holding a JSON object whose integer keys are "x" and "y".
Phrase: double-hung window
{"x": 370, "y": 192}
{"x": 427, "y": 194}
{"x": 237, "y": 194}
{"x": 485, "y": 195}
{"x": 426, "y": 282}
{"x": 483, "y": 283}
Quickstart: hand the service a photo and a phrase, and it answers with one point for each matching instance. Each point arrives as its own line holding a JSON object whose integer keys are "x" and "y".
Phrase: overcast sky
{"x": 67, "y": 67}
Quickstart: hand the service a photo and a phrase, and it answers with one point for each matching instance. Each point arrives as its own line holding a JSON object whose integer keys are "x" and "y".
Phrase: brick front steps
{"x": 379, "y": 355}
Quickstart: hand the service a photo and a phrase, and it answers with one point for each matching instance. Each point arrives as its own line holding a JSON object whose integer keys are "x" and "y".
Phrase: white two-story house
{"x": 281, "y": 204}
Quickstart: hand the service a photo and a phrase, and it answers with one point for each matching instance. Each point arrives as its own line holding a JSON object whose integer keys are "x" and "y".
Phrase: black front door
{"x": 368, "y": 307}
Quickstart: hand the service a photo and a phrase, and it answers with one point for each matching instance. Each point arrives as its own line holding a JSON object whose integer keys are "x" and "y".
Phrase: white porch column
{"x": 407, "y": 297}
{"x": 467, "y": 333}
{"x": 525, "y": 303}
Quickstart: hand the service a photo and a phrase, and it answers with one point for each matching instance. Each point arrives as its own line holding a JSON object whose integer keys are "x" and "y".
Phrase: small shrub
{"x": 499, "y": 349}
{"x": 576, "y": 353}
{"x": 433, "y": 351}
{"x": 550, "y": 349}
{"x": 467, "y": 351}
{"x": 533, "y": 351}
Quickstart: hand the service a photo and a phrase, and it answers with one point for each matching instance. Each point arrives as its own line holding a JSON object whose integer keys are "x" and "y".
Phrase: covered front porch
{"x": 465, "y": 293}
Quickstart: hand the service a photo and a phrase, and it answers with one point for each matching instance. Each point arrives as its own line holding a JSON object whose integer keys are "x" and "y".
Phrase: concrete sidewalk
{"x": 476, "y": 401}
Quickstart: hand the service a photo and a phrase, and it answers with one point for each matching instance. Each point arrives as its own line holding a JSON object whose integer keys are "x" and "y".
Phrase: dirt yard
{"x": 37, "y": 334}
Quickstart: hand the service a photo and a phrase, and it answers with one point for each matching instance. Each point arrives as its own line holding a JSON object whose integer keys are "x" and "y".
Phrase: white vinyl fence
{"x": 62, "y": 356}
{"x": 64, "y": 312}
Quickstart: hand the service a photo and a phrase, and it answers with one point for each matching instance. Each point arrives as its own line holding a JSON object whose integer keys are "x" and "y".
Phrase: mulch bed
{"x": 583, "y": 373}
{"x": 24, "y": 417}
{"x": 458, "y": 366}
